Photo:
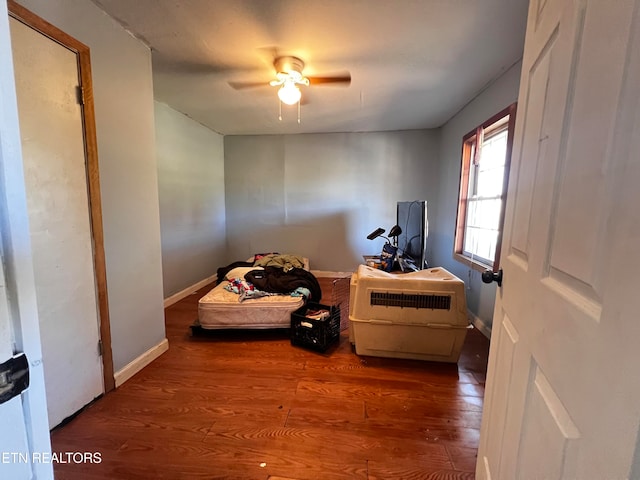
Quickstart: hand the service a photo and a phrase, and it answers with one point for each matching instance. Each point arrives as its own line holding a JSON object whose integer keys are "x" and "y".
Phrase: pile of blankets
{"x": 276, "y": 275}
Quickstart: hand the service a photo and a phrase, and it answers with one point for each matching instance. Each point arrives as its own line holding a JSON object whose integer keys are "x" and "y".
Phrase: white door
{"x": 51, "y": 128}
{"x": 12, "y": 418}
{"x": 563, "y": 386}
{"x": 23, "y": 419}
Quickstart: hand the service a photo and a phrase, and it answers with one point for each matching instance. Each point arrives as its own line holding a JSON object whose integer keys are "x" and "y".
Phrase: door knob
{"x": 489, "y": 276}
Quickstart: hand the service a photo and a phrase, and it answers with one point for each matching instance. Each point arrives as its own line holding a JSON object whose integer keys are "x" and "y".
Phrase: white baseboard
{"x": 139, "y": 363}
{"x": 479, "y": 324}
{"x": 326, "y": 273}
{"x": 176, "y": 297}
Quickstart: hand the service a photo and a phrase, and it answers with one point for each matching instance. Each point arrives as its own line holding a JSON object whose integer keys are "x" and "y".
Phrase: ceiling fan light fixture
{"x": 289, "y": 93}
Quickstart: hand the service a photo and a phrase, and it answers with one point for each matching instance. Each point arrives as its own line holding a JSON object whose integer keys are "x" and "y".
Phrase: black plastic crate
{"x": 315, "y": 334}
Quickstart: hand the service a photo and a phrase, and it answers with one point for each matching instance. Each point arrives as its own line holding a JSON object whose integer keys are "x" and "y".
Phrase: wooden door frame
{"x": 92, "y": 172}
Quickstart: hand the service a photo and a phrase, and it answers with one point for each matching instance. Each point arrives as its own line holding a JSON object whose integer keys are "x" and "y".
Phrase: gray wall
{"x": 123, "y": 94}
{"x": 502, "y": 93}
{"x": 320, "y": 195}
{"x": 191, "y": 191}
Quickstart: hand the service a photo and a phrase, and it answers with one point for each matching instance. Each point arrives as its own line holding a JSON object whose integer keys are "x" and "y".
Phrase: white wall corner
{"x": 176, "y": 297}
{"x": 479, "y": 324}
{"x": 139, "y": 363}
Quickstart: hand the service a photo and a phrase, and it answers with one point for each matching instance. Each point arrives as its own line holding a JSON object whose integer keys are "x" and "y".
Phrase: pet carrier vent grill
{"x": 404, "y": 300}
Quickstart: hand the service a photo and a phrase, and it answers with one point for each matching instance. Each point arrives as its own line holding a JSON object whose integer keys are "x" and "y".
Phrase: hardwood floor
{"x": 248, "y": 405}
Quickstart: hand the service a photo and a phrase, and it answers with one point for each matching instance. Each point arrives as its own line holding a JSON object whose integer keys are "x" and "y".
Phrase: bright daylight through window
{"x": 486, "y": 155}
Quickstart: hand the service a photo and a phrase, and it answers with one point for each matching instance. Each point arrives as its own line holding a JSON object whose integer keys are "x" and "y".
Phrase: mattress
{"x": 220, "y": 309}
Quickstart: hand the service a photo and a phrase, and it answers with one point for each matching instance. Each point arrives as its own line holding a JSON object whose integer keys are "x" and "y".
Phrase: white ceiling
{"x": 413, "y": 63}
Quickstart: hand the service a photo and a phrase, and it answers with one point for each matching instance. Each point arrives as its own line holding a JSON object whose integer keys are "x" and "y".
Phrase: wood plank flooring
{"x": 248, "y": 405}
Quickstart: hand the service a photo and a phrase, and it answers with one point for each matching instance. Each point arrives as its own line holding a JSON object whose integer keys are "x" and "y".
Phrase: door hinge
{"x": 80, "y": 94}
{"x": 99, "y": 348}
{"x": 14, "y": 377}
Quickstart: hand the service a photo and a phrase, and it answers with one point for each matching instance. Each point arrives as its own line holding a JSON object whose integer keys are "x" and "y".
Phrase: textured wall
{"x": 191, "y": 193}
{"x": 320, "y": 195}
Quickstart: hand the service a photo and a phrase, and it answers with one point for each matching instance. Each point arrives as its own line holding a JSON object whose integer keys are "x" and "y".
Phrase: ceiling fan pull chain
{"x": 298, "y": 112}
{"x": 279, "y": 110}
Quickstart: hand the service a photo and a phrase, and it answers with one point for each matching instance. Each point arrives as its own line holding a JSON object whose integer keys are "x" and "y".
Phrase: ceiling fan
{"x": 289, "y": 76}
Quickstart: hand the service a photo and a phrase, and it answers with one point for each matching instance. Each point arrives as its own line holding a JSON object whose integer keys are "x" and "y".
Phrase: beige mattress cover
{"x": 220, "y": 309}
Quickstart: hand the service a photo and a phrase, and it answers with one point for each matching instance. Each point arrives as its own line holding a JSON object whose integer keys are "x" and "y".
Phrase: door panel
{"x": 547, "y": 429}
{"x": 52, "y": 134}
{"x": 580, "y": 212}
{"x": 531, "y": 144}
{"x": 507, "y": 393}
{"x": 562, "y": 388}
{"x": 506, "y": 340}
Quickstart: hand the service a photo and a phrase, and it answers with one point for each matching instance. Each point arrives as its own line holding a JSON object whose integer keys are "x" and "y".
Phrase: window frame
{"x": 468, "y": 149}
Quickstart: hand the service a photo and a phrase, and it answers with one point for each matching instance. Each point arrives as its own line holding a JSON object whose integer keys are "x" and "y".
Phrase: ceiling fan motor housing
{"x": 289, "y": 65}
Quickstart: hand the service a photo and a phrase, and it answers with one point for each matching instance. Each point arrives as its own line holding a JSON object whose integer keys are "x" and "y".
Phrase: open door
{"x": 55, "y": 106}
{"x": 563, "y": 383}
{"x": 14, "y": 378}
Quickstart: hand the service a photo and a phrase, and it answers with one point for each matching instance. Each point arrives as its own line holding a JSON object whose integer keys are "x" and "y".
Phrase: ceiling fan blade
{"x": 344, "y": 79}
{"x": 244, "y": 85}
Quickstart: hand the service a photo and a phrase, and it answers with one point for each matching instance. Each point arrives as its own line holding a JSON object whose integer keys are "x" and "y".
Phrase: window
{"x": 486, "y": 155}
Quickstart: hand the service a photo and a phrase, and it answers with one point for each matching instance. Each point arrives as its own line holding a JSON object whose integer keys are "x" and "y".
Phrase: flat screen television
{"x": 412, "y": 242}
